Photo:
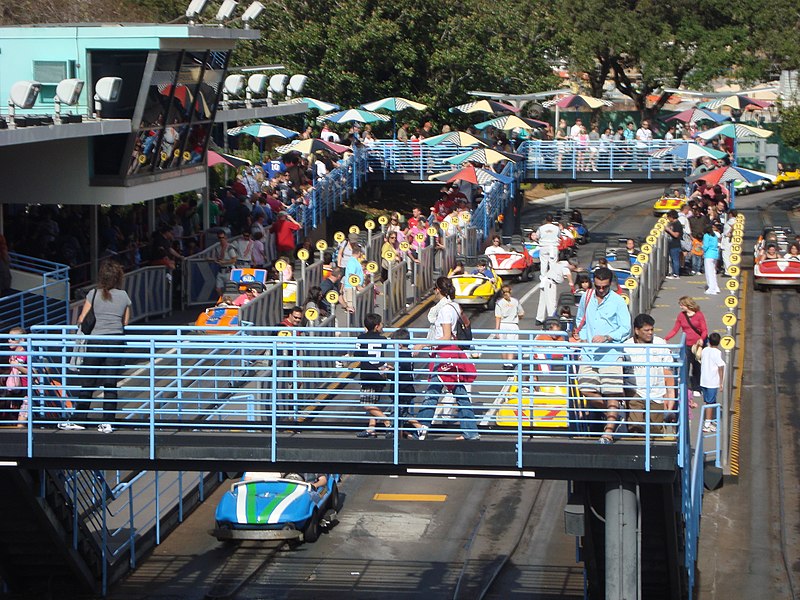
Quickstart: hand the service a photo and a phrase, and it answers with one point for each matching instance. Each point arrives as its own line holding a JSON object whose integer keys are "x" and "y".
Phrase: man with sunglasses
{"x": 602, "y": 319}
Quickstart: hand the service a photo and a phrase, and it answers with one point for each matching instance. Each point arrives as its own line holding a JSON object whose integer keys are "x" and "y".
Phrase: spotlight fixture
{"x": 233, "y": 87}
{"x": 256, "y": 86}
{"x": 226, "y": 11}
{"x": 68, "y": 91}
{"x": 277, "y": 85}
{"x": 251, "y": 14}
{"x": 106, "y": 91}
{"x": 23, "y": 95}
{"x": 296, "y": 85}
{"x": 194, "y": 9}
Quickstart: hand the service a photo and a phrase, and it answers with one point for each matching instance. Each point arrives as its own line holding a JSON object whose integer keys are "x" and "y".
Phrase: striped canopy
{"x": 693, "y": 115}
{"x": 262, "y": 130}
{"x": 316, "y": 104}
{"x": 310, "y": 146}
{"x": 737, "y": 102}
{"x": 352, "y": 114}
{"x": 687, "y": 151}
{"x": 578, "y": 101}
{"x": 484, "y": 156}
{"x": 726, "y": 174}
{"x": 734, "y": 130}
{"x": 508, "y": 122}
{"x": 471, "y": 174}
{"x": 488, "y": 106}
{"x": 459, "y": 138}
{"x": 393, "y": 104}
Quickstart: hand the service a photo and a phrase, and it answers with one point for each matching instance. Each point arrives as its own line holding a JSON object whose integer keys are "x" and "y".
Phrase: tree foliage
{"x": 790, "y": 126}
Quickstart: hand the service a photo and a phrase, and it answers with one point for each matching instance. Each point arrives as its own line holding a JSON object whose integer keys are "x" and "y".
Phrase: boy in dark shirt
{"x": 370, "y": 350}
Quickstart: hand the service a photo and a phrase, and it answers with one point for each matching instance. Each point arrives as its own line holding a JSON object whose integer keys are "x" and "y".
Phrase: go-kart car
{"x": 743, "y": 187}
{"x": 787, "y": 178}
{"x": 775, "y": 271}
{"x": 512, "y": 263}
{"x": 566, "y": 246}
{"x": 225, "y": 313}
{"x": 618, "y": 261}
{"x": 782, "y": 236}
{"x": 267, "y": 506}
{"x": 289, "y": 293}
{"x": 673, "y": 198}
{"x": 475, "y": 289}
{"x": 574, "y": 222}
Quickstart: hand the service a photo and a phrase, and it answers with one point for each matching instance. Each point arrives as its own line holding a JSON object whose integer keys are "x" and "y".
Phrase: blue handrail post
{"x": 152, "y": 384}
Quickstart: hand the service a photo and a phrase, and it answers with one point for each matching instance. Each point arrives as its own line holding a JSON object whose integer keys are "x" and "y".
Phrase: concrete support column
{"x": 94, "y": 243}
{"x": 622, "y": 551}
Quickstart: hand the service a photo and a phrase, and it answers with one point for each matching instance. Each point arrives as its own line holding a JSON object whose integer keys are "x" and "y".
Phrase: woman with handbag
{"x": 691, "y": 322}
{"x": 110, "y": 308}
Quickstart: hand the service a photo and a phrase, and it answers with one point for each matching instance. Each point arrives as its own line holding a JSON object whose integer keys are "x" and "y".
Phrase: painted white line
{"x": 530, "y": 293}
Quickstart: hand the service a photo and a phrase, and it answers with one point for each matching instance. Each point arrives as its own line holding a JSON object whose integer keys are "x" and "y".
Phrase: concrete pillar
{"x": 771, "y": 152}
{"x": 94, "y": 244}
{"x": 622, "y": 551}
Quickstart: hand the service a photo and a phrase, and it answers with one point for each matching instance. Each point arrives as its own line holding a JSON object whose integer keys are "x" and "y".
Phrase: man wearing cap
{"x": 284, "y": 229}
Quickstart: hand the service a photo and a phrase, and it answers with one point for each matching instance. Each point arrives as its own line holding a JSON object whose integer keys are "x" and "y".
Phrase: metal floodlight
{"x": 68, "y": 91}
{"x": 256, "y": 86}
{"x": 226, "y": 11}
{"x": 194, "y": 9}
{"x": 277, "y": 85}
{"x": 296, "y": 85}
{"x": 106, "y": 91}
{"x": 251, "y": 14}
{"x": 234, "y": 85}
{"x": 23, "y": 95}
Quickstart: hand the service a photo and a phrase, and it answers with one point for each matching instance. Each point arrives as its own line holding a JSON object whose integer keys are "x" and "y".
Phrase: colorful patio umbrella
{"x": 394, "y": 104}
{"x": 693, "y": 115}
{"x": 472, "y": 175}
{"x": 220, "y": 158}
{"x": 488, "y": 106}
{"x": 319, "y": 105}
{"x": 459, "y": 138}
{"x": 577, "y": 101}
{"x": 262, "y": 130}
{"x": 736, "y": 102}
{"x": 311, "y": 146}
{"x": 687, "y": 151}
{"x": 352, "y": 114}
{"x": 734, "y": 130}
{"x": 726, "y": 174}
{"x": 508, "y": 122}
{"x": 485, "y": 156}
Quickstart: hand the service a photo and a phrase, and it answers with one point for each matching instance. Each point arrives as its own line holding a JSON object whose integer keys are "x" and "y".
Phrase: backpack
{"x": 463, "y": 328}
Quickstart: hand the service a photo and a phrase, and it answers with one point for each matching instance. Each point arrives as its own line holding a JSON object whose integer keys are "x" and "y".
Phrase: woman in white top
{"x": 496, "y": 247}
{"x": 507, "y": 312}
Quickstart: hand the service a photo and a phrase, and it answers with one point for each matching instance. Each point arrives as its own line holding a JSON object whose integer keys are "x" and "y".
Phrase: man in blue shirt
{"x": 602, "y": 318}
{"x": 484, "y": 270}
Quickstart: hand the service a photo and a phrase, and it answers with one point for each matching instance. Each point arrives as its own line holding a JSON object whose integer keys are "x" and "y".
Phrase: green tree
{"x": 790, "y": 126}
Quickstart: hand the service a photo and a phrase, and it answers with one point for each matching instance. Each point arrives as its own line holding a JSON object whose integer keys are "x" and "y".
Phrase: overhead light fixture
{"x": 256, "y": 86}
{"x": 277, "y": 85}
{"x": 106, "y": 91}
{"x": 23, "y": 95}
{"x": 232, "y": 88}
{"x": 226, "y": 11}
{"x": 251, "y": 14}
{"x": 68, "y": 91}
{"x": 194, "y": 9}
{"x": 296, "y": 85}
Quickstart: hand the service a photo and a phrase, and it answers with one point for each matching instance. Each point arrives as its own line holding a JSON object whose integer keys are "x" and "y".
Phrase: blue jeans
{"x": 465, "y": 414}
{"x": 675, "y": 260}
{"x": 697, "y": 263}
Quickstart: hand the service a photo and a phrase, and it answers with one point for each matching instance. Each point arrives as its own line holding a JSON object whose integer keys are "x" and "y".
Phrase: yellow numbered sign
{"x": 736, "y": 248}
{"x": 738, "y": 230}
{"x": 322, "y": 245}
{"x": 432, "y": 230}
{"x": 280, "y": 265}
{"x": 647, "y": 248}
{"x": 369, "y": 224}
{"x": 740, "y": 218}
{"x": 729, "y": 319}
{"x": 731, "y": 302}
{"x": 372, "y": 266}
{"x": 420, "y": 237}
{"x": 312, "y": 314}
{"x": 332, "y": 297}
{"x": 735, "y": 259}
{"x": 354, "y": 280}
{"x": 465, "y": 217}
{"x": 338, "y": 237}
{"x": 727, "y": 342}
{"x": 733, "y": 271}
{"x": 388, "y": 255}
{"x": 732, "y": 285}
{"x": 163, "y": 156}
{"x": 626, "y": 298}
{"x": 383, "y": 220}
{"x": 284, "y": 333}
{"x": 636, "y": 269}
{"x": 404, "y": 246}
{"x": 302, "y": 254}
{"x": 142, "y": 159}
{"x": 445, "y": 225}
{"x": 631, "y": 283}
{"x": 187, "y": 157}
{"x": 354, "y": 229}
{"x": 737, "y": 239}
{"x": 659, "y": 227}
{"x": 651, "y": 239}
{"x": 643, "y": 258}
{"x": 176, "y": 153}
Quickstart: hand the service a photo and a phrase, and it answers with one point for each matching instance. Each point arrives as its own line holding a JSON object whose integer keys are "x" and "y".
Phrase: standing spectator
{"x": 406, "y": 392}
{"x": 112, "y": 311}
{"x": 5, "y": 268}
{"x": 244, "y": 250}
{"x": 652, "y": 383}
{"x": 354, "y": 268}
{"x": 225, "y": 257}
{"x": 692, "y": 322}
{"x": 712, "y": 373}
{"x": 293, "y": 320}
{"x": 402, "y": 133}
{"x": 17, "y": 381}
{"x": 284, "y": 229}
{"x": 710, "y": 257}
{"x": 507, "y": 312}
{"x": 370, "y": 348}
{"x": 443, "y": 317}
{"x": 547, "y": 235}
{"x": 345, "y": 250}
{"x": 674, "y": 231}
{"x": 393, "y": 245}
{"x": 602, "y": 318}
{"x": 333, "y": 282}
{"x": 315, "y": 300}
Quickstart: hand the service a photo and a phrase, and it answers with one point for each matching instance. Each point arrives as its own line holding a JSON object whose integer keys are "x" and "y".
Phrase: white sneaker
{"x": 421, "y": 433}
{"x": 105, "y": 428}
{"x": 709, "y": 427}
{"x": 67, "y": 426}
{"x": 697, "y": 394}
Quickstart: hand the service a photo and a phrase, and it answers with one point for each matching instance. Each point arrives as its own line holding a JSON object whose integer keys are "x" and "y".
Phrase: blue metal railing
{"x": 45, "y": 301}
{"x": 186, "y": 380}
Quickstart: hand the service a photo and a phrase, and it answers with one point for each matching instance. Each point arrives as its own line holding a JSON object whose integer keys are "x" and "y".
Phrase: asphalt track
{"x": 397, "y": 537}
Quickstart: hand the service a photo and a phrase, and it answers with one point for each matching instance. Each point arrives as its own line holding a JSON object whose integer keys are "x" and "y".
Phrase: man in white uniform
{"x": 548, "y": 235}
{"x": 548, "y": 292}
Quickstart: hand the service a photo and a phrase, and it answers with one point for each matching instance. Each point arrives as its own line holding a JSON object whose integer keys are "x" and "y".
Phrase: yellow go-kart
{"x": 474, "y": 288}
{"x": 673, "y": 198}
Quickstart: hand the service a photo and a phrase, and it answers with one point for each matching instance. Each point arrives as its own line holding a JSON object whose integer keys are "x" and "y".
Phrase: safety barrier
{"x": 365, "y": 302}
{"x": 449, "y": 254}
{"x": 266, "y": 310}
{"x": 45, "y": 299}
{"x": 424, "y": 275}
{"x": 649, "y": 271}
{"x": 394, "y": 291}
{"x": 249, "y": 381}
{"x": 494, "y": 203}
{"x": 310, "y": 276}
{"x": 392, "y": 156}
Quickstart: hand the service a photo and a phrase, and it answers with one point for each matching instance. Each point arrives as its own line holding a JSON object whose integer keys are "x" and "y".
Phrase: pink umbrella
{"x": 217, "y": 159}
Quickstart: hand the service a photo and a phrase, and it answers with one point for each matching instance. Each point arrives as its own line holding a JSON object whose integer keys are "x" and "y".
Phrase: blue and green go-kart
{"x": 268, "y": 506}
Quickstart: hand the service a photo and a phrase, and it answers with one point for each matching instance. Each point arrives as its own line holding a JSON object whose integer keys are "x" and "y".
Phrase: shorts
{"x": 371, "y": 394}
{"x": 636, "y": 414}
{"x": 604, "y": 379}
{"x": 223, "y": 277}
{"x": 509, "y": 331}
{"x": 709, "y": 395}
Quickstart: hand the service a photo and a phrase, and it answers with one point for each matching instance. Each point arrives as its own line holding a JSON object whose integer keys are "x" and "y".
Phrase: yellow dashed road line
{"x": 737, "y": 398}
{"x": 410, "y": 497}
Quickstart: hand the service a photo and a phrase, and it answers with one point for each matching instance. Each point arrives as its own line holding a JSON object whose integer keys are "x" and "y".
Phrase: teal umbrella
{"x": 351, "y": 115}
{"x": 262, "y": 130}
{"x": 316, "y": 104}
{"x": 394, "y": 104}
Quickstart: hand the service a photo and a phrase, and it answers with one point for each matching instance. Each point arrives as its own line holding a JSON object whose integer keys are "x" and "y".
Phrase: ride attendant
{"x": 507, "y": 312}
{"x": 548, "y": 237}
{"x": 443, "y": 317}
{"x": 547, "y": 294}
{"x": 17, "y": 381}
{"x": 692, "y": 322}
{"x": 112, "y": 311}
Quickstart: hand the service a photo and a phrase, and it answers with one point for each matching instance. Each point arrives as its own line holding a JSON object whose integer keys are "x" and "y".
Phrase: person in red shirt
{"x": 284, "y": 229}
{"x": 692, "y": 322}
{"x": 443, "y": 206}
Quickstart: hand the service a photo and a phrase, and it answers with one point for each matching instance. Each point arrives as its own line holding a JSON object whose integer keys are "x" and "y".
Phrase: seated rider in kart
{"x": 496, "y": 247}
{"x": 484, "y": 270}
{"x": 318, "y": 481}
